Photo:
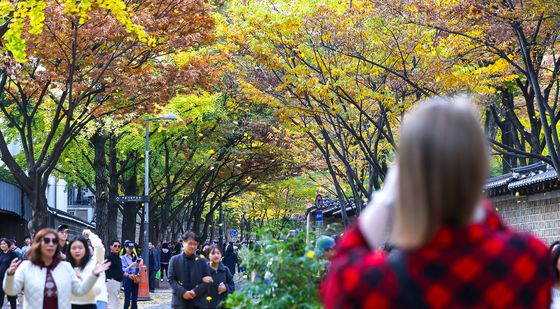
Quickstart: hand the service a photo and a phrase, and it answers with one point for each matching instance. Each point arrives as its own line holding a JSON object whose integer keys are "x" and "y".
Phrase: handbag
{"x": 136, "y": 279}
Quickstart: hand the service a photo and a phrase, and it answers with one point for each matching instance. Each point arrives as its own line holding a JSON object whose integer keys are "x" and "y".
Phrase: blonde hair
{"x": 443, "y": 164}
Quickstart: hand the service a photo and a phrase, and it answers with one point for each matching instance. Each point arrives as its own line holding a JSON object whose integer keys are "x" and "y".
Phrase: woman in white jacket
{"x": 81, "y": 259}
{"x": 48, "y": 281}
{"x": 101, "y": 296}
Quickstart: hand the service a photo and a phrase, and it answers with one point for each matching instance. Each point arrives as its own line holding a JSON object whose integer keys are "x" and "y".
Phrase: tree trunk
{"x": 39, "y": 218}
{"x": 130, "y": 209}
{"x": 101, "y": 186}
{"x": 208, "y": 221}
{"x": 112, "y": 212}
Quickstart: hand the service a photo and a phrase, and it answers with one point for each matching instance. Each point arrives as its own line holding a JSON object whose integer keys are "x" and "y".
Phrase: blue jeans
{"x": 101, "y": 304}
{"x": 130, "y": 294}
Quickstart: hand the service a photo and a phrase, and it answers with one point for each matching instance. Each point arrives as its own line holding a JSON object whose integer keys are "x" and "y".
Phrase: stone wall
{"x": 537, "y": 213}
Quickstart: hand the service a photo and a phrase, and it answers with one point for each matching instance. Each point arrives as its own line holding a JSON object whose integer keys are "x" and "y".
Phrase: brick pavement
{"x": 161, "y": 299}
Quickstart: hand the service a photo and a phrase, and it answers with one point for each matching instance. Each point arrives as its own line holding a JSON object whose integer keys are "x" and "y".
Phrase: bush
{"x": 287, "y": 275}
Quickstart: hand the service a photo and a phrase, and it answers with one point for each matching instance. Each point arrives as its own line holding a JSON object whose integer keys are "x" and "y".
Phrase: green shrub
{"x": 287, "y": 275}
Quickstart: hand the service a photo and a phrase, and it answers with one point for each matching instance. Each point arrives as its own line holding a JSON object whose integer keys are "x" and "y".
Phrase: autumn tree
{"x": 82, "y": 69}
{"x": 344, "y": 74}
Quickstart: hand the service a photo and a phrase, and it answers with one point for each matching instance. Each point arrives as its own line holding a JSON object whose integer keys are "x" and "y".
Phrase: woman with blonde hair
{"x": 49, "y": 282}
{"x": 451, "y": 249}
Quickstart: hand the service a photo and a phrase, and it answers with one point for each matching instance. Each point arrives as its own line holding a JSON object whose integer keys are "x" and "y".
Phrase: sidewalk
{"x": 161, "y": 299}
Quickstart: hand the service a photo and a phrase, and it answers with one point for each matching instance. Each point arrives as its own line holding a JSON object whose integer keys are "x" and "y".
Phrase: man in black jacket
{"x": 62, "y": 232}
{"x": 188, "y": 275}
{"x": 114, "y": 274}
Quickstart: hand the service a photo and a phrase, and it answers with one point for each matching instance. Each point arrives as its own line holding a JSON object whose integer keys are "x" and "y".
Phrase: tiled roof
{"x": 498, "y": 181}
{"x": 331, "y": 207}
{"x": 522, "y": 176}
{"x": 533, "y": 179}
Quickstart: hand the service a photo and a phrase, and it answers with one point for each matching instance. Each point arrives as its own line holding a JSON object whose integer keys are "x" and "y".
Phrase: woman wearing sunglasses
{"x": 48, "y": 281}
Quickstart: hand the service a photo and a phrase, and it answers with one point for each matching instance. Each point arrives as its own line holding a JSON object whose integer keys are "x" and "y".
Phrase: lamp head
{"x": 170, "y": 117}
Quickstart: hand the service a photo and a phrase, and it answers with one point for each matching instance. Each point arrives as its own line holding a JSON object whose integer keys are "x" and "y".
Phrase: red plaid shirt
{"x": 482, "y": 265}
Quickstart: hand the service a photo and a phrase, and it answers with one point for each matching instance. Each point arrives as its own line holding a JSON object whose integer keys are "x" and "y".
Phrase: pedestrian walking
{"x": 48, "y": 281}
{"x": 83, "y": 259}
{"x": 177, "y": 248}
{"x": 325, "y": 247}
{"x": 165, "y": 257}
{"x": 15, "y": 248}
{"x": 222, "y": 277}
{"x": 230, "y": 257}
{"x": 6, "y": 258}
{"x": 80, "y": 259}
{"x": 188, "y": 275}
{"x": 154, "y": 266}
{"x": 25, "y": 248}
{"x": 131, "y": 275}
{"x": 114, "y": 274}
{"x": 451, "y": 249}
{"x": 62, "y": 232}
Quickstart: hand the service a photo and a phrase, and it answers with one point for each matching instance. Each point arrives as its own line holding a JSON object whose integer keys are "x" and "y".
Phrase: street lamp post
{"x": 147, "y": 187}
{"x": 221, "y": 225}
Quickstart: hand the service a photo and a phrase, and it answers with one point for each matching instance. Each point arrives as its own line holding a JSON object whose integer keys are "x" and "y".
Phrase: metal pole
{"x": 147, "y": 197}
{"x": 308, "y": 230}
{"x": 221, "y": 223}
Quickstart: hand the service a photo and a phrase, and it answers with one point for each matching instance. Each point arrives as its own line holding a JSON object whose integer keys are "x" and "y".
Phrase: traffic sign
{"x": 319, "y": 216}
{"x": 234, "y": 233}
{"x": 129, "y": 198}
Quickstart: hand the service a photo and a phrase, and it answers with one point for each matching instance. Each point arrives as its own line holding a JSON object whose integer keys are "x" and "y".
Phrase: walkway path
{"x": 161, "y": 299}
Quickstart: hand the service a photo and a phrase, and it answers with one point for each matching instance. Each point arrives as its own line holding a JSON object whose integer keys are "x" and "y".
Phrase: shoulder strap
{"x": 409, "y": 292}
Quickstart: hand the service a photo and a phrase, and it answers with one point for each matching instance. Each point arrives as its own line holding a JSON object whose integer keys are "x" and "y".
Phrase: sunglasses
{"x": 116, "y": 246}
{"x": 47, "y": 240}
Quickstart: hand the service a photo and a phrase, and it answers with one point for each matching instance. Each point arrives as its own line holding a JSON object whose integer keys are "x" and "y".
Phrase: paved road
{"x": 161, "y": 299}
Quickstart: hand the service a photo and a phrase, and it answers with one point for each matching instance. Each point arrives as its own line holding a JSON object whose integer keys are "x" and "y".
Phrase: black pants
{"x": 152, "y": 279}
{"x": 87, "y": 306}
{"x": 130, "y": 294}
{"x": 11, "y": 299}
{"x": 163, "y": 269}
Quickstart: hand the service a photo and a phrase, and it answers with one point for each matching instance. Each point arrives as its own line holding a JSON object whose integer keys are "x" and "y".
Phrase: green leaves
{"x": 286, "y": 275}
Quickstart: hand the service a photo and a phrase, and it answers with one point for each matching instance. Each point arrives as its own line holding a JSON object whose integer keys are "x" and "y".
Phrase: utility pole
{"x": 221, "y": 225}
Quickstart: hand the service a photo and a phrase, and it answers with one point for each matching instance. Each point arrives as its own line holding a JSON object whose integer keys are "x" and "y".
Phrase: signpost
{"x": 130, "y": 199}
{"x": 319, "y": 221}
{"x": 319, "y": 217}
{"x": 234, "y": 233}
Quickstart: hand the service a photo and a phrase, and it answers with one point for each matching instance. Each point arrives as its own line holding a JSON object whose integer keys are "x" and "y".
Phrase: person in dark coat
{"x": 154, "y": 266}
{"x": 189, "y": 275}
{"x": 230, "y": 258}
{"x": 114, "y": 275}
{"x": 223, "y": 279}
{"x": 165, "y": 257}
{"x": 62, "y": 232}
{"x": 177, "y": 248}
{"x": 6, "y": 258}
